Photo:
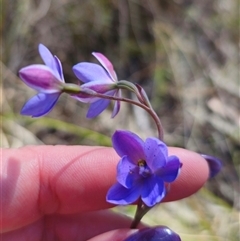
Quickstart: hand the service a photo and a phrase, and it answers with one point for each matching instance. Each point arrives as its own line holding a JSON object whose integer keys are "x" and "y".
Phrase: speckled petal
{"x": 127, "y": 172}
{"x": 156, "y": 153}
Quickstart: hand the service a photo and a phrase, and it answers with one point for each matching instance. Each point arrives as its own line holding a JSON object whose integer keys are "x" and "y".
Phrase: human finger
{"x": 71, "y": 227}
{"x": 43, "y": 180}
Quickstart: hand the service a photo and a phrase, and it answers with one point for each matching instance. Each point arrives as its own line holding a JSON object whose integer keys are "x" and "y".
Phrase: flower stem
{"x": 142, "y": 209}
{"x": 123, "y": 84}
{"x": 146, "y": 108}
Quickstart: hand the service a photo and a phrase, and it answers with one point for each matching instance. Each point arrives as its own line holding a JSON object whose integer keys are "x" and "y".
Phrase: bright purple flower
{"x": 100, "y": 79}
{"x": 143, "y": 170}
{"x": 47, "y": 79}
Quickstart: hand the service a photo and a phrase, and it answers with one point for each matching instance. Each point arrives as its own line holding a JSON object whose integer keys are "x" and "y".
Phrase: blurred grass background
{"x": 185, "y": 55}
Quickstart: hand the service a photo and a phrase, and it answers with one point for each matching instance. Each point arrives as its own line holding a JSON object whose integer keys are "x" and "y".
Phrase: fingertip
{"x": 215, "y": 165}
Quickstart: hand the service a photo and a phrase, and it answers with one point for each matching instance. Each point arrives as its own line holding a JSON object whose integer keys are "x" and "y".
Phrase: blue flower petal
{"x": 156, "y": 153}
{"x": 116, "y": 107}
{"x": 129, "y": 144}
{"x": 127, "y": 172}
{"x": 120, "y": 195}
{"x": 106, "y": 64}
{"x": 153, "y": 190}
{"x": 171, "y": 170}
{"x": 59, "y": 68}
{"x": 87, "y": 72}
{"x": 49, "y": 60}
{"x": 97, "y": 108}
{"x": 40, "y": 104}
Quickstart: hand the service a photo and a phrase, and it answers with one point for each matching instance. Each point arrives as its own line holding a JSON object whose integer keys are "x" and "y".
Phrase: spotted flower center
{"x": 144, "y": 170}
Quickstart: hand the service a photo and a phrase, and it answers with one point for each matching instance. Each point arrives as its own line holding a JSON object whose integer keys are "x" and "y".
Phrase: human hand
{"x": 59, "y": 192}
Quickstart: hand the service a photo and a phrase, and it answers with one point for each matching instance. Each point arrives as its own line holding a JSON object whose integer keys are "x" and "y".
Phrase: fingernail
{"x": 215, "y": 165}
{"x": 159, "y": 233}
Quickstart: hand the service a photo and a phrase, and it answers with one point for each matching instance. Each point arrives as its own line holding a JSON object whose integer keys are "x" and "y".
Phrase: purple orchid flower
{"x": 47, "y": 79}
{"x": 99, "y": 79}
{"x": 143, "y": 170}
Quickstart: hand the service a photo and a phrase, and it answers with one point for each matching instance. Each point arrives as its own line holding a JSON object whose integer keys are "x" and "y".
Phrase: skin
{"x": 58, "y": 192}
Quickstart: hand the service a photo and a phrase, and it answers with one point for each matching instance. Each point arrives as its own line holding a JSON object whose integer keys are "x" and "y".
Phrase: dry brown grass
{"x": 184, "y": 53}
